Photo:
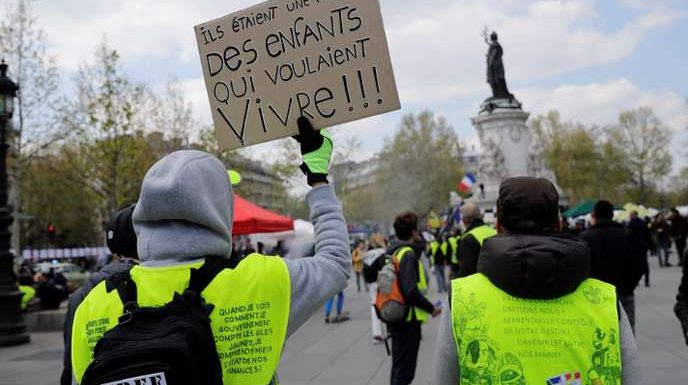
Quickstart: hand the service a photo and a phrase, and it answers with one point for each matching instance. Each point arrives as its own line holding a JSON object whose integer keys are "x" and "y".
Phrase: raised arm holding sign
{"x": 270, "y": 64}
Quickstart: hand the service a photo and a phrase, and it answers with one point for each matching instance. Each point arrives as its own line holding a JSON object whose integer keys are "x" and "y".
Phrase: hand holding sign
{"x": 268, "y": 65}
{"x": 316, "y": 149}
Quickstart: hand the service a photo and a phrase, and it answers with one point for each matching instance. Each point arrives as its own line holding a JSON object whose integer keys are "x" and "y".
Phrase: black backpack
{"x": 168, "y": 345}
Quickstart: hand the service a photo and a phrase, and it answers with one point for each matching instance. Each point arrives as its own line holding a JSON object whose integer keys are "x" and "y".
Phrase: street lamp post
{"x": 12, "y": 327}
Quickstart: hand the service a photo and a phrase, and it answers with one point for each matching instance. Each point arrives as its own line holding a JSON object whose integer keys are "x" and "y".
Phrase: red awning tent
{"x": 252, "y": 219}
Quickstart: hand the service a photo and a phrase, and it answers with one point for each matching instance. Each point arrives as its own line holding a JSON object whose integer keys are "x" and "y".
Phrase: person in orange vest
{"x": 406, "y": 334}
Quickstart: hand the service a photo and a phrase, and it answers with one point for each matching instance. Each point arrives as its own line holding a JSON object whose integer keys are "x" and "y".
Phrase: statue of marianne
{"x": 495, "y": 68}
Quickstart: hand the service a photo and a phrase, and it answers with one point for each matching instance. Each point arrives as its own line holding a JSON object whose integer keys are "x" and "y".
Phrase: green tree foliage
{"x": 22, "y": 45}
{"x": 419, "y": 166}
{"x": 103, "y": 120}
{"x": 55, "y": 197}
{"x": 113, "y": 131}
{"x": 583, "y": 160}
{"x": 644, "y": 142}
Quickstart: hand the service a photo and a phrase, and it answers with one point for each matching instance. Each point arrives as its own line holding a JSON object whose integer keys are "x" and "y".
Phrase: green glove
{"x": 316, "y": 149}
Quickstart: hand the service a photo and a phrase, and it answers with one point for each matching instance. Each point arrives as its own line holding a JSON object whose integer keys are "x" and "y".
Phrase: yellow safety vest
{"x": 481, "y": 233}
{"x": 249, "y": 319}
{"x": 434, "y": 246}
{"x": 502, "y": 339}
{"x": 454, "y": 242}
{"x": 421, "y": 315}
{"x": 28, "y": 293}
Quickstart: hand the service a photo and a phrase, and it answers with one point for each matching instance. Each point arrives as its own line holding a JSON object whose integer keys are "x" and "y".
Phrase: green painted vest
{"x": 249, "y": 320}
{"x": 481, "y": 233}
{"x": 421, "y": 315}
{"x": 502, "y": 339}
{"x": 454, "y": 242}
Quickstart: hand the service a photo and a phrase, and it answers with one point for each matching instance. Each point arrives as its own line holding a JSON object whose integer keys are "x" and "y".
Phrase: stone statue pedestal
{"x": 506, "y": 151}
{"x": 505, "y": 144}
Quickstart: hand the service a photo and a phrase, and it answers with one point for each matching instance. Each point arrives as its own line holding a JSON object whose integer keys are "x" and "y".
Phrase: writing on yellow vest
{"x": 502, "y": 339}
{"x": 249, "y": 318}
{"x": 420, "y": 314}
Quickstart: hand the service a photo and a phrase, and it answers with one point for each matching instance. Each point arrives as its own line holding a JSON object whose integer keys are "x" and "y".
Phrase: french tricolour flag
{"x": 467, "y": 182}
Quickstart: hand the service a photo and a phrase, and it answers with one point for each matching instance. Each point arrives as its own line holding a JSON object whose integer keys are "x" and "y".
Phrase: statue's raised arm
{"x": 485, "y": 34}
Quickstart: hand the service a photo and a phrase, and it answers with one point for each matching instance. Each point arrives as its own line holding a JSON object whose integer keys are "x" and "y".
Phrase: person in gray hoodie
{"x": 184, "y": 214}
{"x": 531, "y": 314}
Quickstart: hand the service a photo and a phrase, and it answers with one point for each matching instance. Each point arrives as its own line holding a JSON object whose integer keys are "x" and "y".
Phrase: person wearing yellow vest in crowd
{"x": 28, "y": 293}
{"x": 532, "y": 314}
{"x": 120, "y": 239}
{"x": 412, "y": 281}
{"x": 453, "y": 259}
{"x": 183, "y": 222}
{"x": 472, "y": 239}
{"x": 438, "y": 260}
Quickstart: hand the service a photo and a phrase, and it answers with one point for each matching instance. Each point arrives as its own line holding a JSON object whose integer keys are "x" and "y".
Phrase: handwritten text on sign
{"x": 267, "y": 65}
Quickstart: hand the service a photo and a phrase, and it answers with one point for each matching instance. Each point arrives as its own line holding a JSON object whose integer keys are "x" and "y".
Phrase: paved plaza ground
{"x": 343, "y": 353}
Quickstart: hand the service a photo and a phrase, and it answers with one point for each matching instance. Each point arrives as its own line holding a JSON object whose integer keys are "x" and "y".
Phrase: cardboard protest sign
{"x": 269, "y": 64}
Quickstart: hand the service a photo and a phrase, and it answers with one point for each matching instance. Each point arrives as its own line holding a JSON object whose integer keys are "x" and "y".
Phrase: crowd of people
{"x": 617, "y": 254}
{"x": 527, "y": 300}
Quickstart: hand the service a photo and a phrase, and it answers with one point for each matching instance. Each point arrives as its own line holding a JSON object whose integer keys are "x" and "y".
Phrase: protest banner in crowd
{"x": 269, "y": 64}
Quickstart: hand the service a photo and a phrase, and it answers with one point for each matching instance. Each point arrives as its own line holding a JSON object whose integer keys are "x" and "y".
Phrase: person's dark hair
{"x": 603, "y": 210}
{"x": 404, "y": 225}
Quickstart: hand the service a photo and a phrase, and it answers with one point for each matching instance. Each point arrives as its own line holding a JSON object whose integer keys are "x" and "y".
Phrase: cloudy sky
{"x": 589, "y": 59}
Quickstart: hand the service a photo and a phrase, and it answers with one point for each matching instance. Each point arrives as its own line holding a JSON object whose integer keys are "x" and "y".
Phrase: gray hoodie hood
{"x": 185, "y": 210}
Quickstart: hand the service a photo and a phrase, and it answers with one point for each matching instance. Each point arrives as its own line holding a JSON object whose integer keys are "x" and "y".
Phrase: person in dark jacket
{"x": 641, "y": 241}
{"x": 406, "y": 334}
{"x": 662, "y": 233}
{"x": 439, "y": 260}
{"x": 681, "y": 307}
{"x": 121, "y": 240}
{"x": 612, "y": 257}
{"x": 52, "y": 289}
{"x": 470, "y": 245}
{"x": 529, "y": 260}
{"x": 679, "y": 231}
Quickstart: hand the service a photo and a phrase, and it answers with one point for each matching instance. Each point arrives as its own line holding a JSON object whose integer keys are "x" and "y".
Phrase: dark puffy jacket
{"x": 535, "y": 266}
{"x": 469, "y": 250}
{"x": 679, "y": 226}
{"x": 612, "y": 257}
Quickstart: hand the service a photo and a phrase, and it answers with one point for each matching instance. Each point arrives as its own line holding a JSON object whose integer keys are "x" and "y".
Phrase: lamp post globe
{"x": 12, "y": 327}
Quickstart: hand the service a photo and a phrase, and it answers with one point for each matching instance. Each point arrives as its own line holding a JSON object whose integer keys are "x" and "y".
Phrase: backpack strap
{"x": 398, "y": 254}
{"x": 126, "y": 288}
{"x": 201, "y": 277}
